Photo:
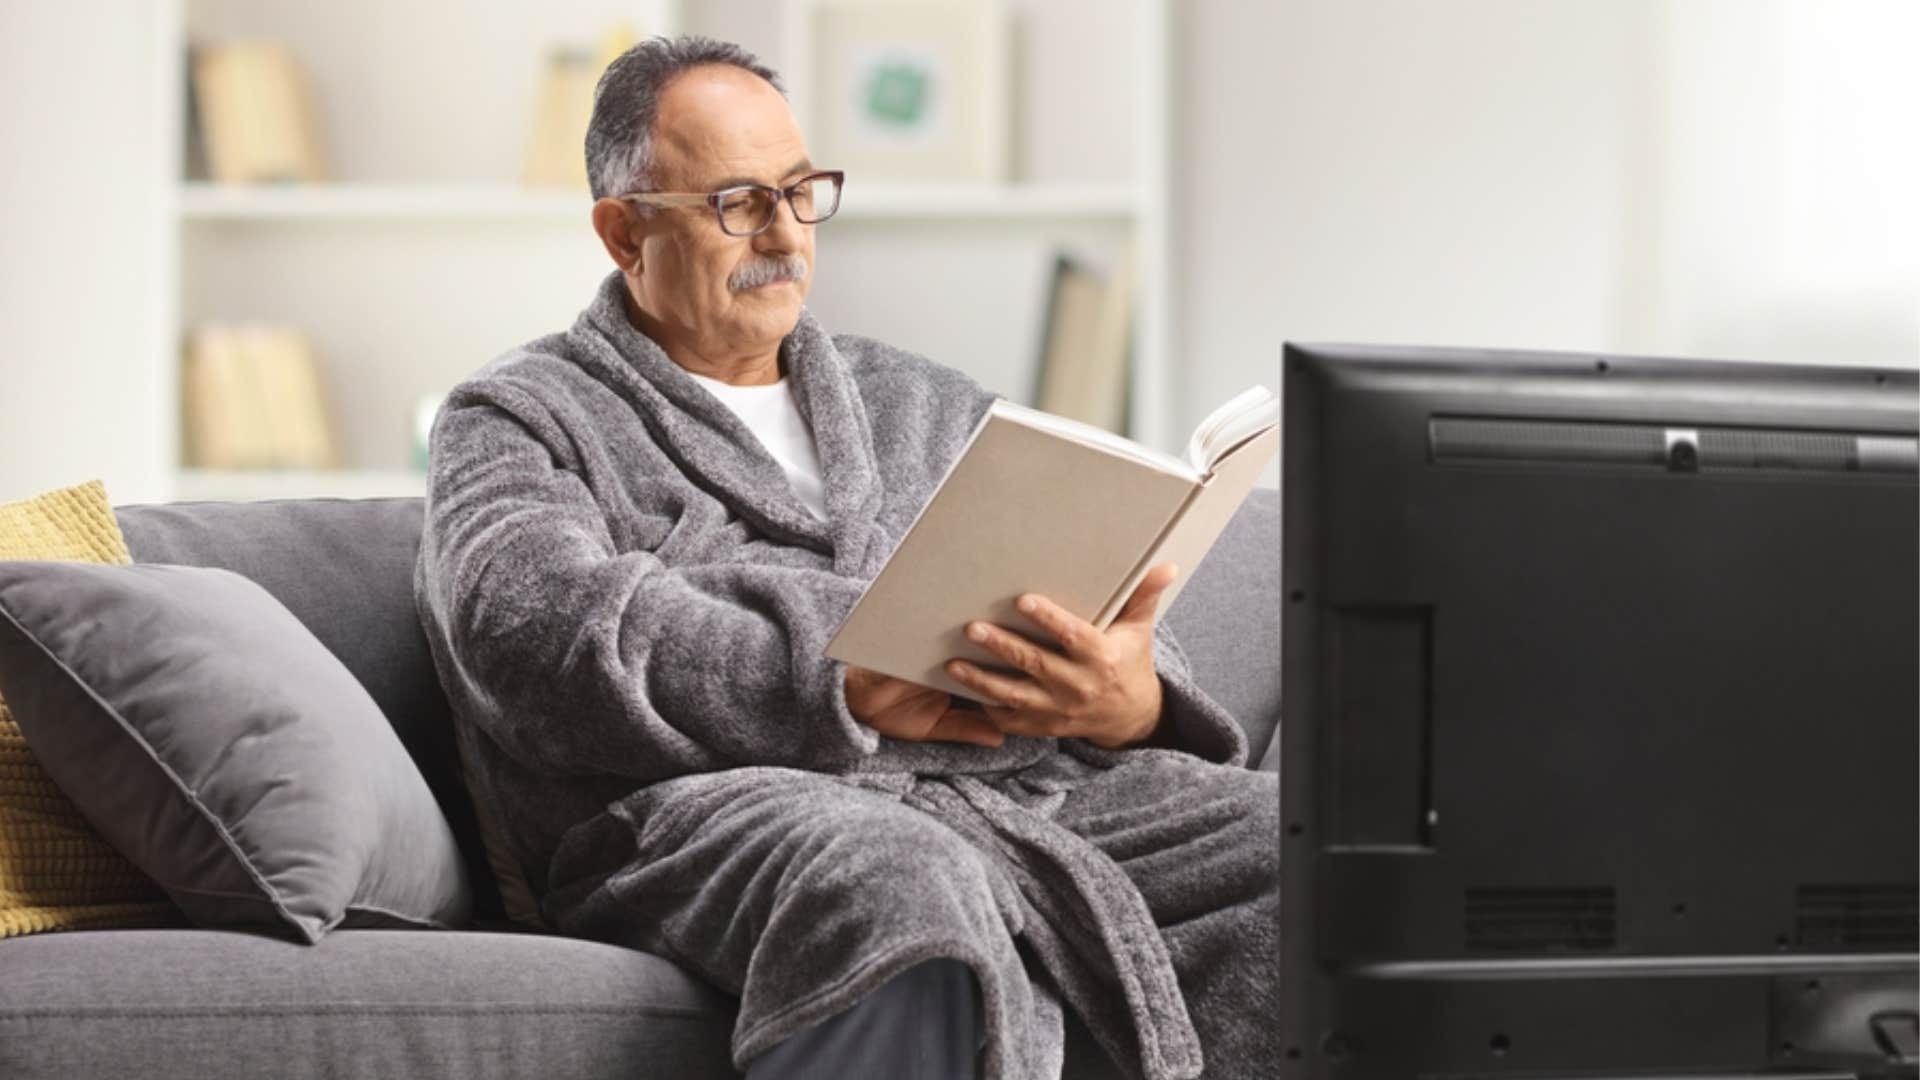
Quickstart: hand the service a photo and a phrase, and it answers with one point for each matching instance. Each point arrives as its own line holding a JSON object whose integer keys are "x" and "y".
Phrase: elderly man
{"x": 641, "y": 533}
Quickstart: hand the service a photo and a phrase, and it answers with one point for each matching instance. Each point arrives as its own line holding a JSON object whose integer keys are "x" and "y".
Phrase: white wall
{"x": 1789, "y": 197}
{"x": 1401, "y": 172}
{"x": 79, "y": 249}
{"x": 1733, "y": 178}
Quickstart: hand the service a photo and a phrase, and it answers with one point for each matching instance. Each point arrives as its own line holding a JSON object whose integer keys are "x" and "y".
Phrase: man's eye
{"x": 742, "y": 201}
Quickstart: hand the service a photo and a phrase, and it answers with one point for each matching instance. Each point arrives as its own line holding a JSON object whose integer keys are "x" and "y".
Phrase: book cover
{"x": 251, "y": 399}
{"x": 290, "y": 398}
{"x": 565, "y": 108}
{"x": 1083, "y": 366}
{"x": 211, "y": 397}
{"x": 256, "y": 117}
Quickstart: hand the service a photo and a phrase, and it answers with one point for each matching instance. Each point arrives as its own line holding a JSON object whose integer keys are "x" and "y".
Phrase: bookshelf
{"x": 423, "y": 259}
{"x": 344, "y": 202}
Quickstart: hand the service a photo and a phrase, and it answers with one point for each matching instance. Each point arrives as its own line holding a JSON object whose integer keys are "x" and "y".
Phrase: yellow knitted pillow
{"x": 56, "y": 873}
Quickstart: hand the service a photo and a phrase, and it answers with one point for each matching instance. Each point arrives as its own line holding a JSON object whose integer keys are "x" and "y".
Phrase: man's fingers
{"x": 966, "y": 726}
{"x": 1076, "y": 636}
{"x": 1021, "y": 722}
{"x": 1145, "y": 601}
{"x": 929, "y": 715}
{"x": 1028, "y": 656}
{"x": 912, "y": 716}
{"x": 871, "y": 694}
{"x": 1015, "y": 693}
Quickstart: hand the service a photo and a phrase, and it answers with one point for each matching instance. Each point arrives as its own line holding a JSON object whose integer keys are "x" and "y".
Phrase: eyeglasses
{"x": 748, "y": 210}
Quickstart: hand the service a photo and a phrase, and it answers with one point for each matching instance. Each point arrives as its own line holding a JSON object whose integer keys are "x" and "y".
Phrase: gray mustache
{"x": 761, "y": 271}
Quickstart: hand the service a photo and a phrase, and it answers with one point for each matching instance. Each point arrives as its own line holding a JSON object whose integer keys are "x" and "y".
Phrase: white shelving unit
{"x": 202, "y": 202}
{"x": 425, "y": 259}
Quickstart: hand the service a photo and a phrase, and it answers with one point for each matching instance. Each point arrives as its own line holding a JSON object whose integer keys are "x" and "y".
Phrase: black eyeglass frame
{"x": 778, "y": 195}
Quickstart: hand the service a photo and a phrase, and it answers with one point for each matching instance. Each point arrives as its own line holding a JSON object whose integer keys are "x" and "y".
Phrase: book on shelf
{"x": 1083, "y": 366}
{"x": 565, "y": 107}
{"x": 255, "y": 117}
{"x": 251, "y": 398}
{"x": 1041, "y": 503}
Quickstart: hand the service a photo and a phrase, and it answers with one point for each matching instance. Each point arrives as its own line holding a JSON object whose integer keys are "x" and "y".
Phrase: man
{"x": 641, "y": 533}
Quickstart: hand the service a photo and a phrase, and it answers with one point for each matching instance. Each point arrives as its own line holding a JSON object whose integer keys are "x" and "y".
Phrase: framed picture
{"x": 901, "y": 90}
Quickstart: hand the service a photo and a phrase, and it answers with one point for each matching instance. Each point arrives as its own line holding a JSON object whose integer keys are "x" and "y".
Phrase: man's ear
{"x": 621, "y": 230}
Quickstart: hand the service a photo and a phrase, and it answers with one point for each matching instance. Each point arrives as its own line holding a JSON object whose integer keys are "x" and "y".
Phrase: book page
{"x": 1095, "y": 436}
{"x": 1244, "y": 415}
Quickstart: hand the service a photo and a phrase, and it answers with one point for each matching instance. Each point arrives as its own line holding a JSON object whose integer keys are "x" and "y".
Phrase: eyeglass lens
{"x": 750, "y": 210}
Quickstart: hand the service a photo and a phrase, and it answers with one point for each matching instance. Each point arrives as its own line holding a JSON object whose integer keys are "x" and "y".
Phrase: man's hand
{"x": 915, "y": 713}
{"x": 1097, "y": 686}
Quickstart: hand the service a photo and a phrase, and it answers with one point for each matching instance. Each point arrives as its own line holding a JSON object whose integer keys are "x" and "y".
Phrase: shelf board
{"x": 249, "y": 485}
{"x": 989, "y": 201}
{"x": 377, "y": 202}
{"x": 289, "y": 204}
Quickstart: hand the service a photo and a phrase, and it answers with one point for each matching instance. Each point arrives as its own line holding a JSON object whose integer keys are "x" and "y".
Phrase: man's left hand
{"x": 1097, "y": 685}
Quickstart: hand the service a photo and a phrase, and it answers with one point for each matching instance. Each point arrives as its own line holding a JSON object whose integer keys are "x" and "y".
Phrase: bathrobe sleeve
{"x": 595, "y": 660}
{"x": 1190, "y": 720}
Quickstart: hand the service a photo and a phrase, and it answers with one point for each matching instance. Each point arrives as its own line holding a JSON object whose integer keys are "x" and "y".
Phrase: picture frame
{"x": 901, "y": 91}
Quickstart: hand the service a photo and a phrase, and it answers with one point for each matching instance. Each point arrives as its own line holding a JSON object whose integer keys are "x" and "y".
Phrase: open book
{"x": 1039, "y": 503}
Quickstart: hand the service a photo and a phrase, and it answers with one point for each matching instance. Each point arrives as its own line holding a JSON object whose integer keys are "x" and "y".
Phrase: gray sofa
{"x": 492, "y": 1000}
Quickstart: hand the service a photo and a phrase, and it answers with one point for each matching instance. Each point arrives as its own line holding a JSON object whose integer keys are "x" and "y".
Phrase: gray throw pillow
{"x": 220, "y": 747}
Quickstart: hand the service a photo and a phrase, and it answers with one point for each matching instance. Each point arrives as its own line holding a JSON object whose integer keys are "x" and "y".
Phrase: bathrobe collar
{"x": 717, "y": 450}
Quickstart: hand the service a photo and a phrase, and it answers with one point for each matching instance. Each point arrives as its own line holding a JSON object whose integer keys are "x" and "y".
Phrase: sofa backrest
{"x": 1227, "y": 619}
{"x": 344, "y": 567}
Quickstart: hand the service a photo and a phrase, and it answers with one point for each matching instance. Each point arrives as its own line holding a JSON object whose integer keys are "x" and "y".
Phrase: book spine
{"x": 1110, "y": 610}
{"x": 1203, "y": 517}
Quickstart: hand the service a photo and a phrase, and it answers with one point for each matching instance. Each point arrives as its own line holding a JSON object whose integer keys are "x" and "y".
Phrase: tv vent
{"x": 1466, "y": 438}
{"x": 1536, "y": 920}
{"x": 1479, "y": 439}
{"x": 1858, "y": 916}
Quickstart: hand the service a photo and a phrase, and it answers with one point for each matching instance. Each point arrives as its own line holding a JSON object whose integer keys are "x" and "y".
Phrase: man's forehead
{"x": 722, "y": 125}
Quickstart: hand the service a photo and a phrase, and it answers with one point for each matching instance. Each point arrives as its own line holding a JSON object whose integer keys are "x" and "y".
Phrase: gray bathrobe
{"x": 628, "y": 606}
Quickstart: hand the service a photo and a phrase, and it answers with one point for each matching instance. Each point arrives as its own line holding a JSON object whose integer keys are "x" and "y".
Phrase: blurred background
{"x": 247, "y": 243}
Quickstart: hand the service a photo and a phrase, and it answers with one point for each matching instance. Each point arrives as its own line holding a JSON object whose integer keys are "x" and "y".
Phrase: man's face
{"x": 719, "y": 127}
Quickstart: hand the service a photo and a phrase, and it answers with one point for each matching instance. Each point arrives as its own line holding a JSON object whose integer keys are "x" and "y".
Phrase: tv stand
{"x": 1867, "y": 1024}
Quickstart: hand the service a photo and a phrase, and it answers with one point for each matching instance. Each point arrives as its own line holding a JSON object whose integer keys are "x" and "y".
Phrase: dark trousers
{"x": 922, "y": 1024}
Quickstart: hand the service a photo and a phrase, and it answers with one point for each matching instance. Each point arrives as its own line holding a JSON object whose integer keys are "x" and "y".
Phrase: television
{"x": 1600, "y": 704}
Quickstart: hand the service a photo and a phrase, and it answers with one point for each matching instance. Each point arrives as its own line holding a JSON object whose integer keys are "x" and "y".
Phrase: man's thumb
{"x": 1145, "y": 600}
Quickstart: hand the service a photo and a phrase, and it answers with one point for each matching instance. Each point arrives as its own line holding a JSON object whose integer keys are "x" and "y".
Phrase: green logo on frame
{"x": 897, "y": 94}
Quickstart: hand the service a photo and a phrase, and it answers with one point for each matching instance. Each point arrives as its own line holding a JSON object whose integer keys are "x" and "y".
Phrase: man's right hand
{"x": 902, "y": 710}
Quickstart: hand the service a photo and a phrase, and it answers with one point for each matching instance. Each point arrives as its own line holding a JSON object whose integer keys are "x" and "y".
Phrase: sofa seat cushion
{"x": 208, "y": 1003}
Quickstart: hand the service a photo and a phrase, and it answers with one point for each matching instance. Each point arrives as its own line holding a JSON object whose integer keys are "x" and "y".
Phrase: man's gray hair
{"x": 627, "y": 101}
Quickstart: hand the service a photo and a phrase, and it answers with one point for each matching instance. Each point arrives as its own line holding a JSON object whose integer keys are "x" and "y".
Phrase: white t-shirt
{"x": 770, "y": 413}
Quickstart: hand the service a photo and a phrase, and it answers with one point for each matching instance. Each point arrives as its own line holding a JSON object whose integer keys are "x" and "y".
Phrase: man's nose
{"x": 783, "y": 233}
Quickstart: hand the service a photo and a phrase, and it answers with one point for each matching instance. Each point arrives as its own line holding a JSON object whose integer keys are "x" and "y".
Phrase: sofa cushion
{"x": 344, "y": 567}
{"x": 56, "y": 871}
{"x": 201, "y": 1003}
{"x": 1227, "y": 619}
{"x": 201, "y": 728}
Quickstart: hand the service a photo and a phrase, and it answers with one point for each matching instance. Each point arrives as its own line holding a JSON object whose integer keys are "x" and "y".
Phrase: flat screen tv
{"x": 1600, "y": 701}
